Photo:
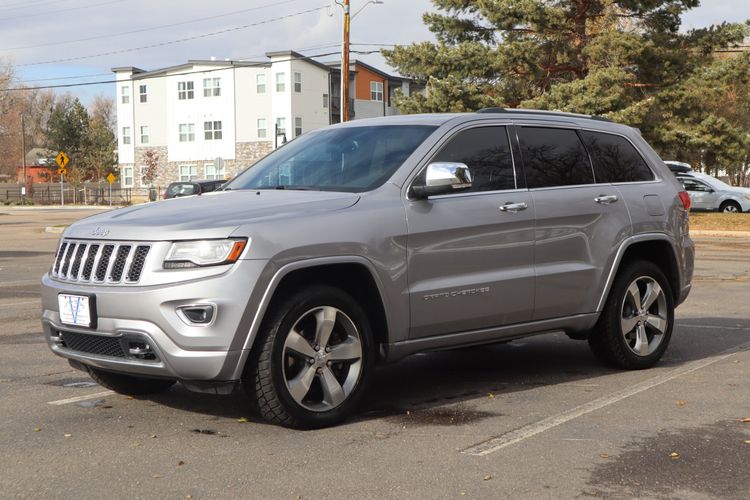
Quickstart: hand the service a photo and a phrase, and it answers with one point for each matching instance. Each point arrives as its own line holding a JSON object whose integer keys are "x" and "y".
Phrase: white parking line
{"x": 716, "y": 327}
{"x": 80, "y": 398}
{"x": 499, "y": 442}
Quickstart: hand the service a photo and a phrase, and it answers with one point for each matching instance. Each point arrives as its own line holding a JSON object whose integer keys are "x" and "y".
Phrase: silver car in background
{"x": 709, "y": 193}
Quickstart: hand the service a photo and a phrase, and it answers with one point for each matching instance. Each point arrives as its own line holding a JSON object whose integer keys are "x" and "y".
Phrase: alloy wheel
{"x": 644, "y": 317}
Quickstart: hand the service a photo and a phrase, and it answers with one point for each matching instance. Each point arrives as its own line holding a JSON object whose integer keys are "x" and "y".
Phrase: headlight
{"x": 185, "y": 254}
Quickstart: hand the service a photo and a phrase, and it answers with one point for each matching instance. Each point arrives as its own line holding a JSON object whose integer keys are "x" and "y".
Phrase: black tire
{"x": 730, "y": 207}
{"x": 272, "y": 363}
{"x": 608, "y": 341}
{"x": 129, "y": 384}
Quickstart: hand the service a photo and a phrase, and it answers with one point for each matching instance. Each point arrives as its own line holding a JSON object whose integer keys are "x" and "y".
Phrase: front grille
{"x": 93, "y": 344}
{"x": 100, "y": 262}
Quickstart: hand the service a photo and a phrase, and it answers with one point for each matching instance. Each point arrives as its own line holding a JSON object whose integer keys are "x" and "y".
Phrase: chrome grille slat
{"x": 100, "y": 262}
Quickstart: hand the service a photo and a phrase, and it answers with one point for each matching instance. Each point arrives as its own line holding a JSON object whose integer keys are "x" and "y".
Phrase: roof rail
{"x": 541, "y": 112}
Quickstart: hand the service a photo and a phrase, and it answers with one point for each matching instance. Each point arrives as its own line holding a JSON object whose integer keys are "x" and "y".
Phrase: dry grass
{"x": 717, "y": 221}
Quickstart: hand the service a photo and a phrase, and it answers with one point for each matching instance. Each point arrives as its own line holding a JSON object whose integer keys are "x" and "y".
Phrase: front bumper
{"x": 149, "y": 314}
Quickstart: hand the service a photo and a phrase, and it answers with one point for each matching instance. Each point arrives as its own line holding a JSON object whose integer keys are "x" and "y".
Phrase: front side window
{"x": 126, "y": 135}
{"x": 212, "y": 130}
{"x": 615, "y": 159}
{"x": 350, "y": 159}
{"x": 262, "y": 128}
{"x": 486, "y": 151}
{"x": 187, "y": 132}
{"x": 694, "y": 185}
{"x": 188, "y": 172}
{"x": 185, "y": 90}
{"x": 280, "y": 82}
{"x": 260, "y": 84}
{"x": 376, "y": 91}
{"x": 298, "y": 82}
{"x": 127, "y": 176}
{"x": 211, "y": 87}
{"x": 125, "y": 94}
{"x": 143, "y": 92}
{"x": 144, "y": 134}
{"x": 554, "y": 157}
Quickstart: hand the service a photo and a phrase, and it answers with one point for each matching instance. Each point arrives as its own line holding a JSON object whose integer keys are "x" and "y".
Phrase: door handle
{"x": 513, "y": 207}
{"x": 606, "y": 199}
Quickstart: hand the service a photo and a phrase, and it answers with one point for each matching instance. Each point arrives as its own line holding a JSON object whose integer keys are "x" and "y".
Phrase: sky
{"x": 57, "y": 41}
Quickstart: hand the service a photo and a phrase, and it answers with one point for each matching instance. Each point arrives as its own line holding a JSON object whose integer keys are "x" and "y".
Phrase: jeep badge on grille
{"x": 100, "y": 231}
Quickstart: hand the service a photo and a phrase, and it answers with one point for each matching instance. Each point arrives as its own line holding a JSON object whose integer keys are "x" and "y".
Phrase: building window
{"x": 125, "y": 93}
{"x": 262, "y": 128}
{"x": 143, "y": 91}
{"x": 326, "y": 100}
{"x": 144, "y": 134}
{"x": 376, "y": 91}
{"x": 127, "y": 176}
{"x": 126, "y": 135}
{"x": 142, "y": 175}
{"x": 280, "y": 84}
{"x": 297, "y": 126}
{"x": 185, "y": 90}
{"x": 188, "y": 172}
{"x": 211, "y": 87}
{"x": 214, "y": 172}
{"x": 187, "y": 132}
{"x": 212, "y": 131}
{"x": 260, "y": 84}
{"x": 280, "y": 126}
{"x": 298, "y": 82}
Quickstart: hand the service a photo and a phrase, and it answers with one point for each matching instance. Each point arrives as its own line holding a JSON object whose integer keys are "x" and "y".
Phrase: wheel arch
{"x": 354, "y": 274}
{"x": 657, "y": 248}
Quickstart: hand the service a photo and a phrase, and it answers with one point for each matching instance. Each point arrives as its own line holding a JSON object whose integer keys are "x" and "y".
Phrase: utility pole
{"x": 345, "y": 65}
{"x": 23, "y": 154}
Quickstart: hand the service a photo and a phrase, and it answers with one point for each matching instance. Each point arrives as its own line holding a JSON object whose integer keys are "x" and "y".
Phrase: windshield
{"x": 716, "y": 183}
{"x": 352, "y": 159}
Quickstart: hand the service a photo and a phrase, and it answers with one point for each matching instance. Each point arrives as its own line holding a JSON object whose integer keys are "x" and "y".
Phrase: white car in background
{"x": 709, "y": 193}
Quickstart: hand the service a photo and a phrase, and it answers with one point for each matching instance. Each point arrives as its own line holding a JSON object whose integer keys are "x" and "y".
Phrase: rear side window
{"x": 615, "y": 159}
{"x": 486, "y": 151}
{"x": 554, "y": 157}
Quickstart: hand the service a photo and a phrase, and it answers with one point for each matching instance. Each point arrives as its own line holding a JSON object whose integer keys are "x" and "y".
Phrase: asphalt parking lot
{"x": 537, "y": 417}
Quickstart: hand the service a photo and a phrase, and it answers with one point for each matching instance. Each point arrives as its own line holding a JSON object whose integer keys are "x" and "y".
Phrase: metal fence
{"x": 52, "y": 194}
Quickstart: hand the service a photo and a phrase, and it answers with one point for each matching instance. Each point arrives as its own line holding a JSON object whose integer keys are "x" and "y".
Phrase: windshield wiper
{"x": 297, "y": 188}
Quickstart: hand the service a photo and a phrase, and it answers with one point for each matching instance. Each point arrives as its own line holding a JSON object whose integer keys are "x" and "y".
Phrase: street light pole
{"x": 345, "y": 64}
{"x": 23, "y": 154}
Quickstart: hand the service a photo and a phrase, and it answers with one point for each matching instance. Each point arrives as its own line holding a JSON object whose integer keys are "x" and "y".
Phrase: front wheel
{"x": 731, "y": 207}
{"x": 635, "y": 325}
{"x": 312, "y": 359}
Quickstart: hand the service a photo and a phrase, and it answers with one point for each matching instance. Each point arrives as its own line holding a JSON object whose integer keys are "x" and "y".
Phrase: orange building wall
{"x": 363, "y": 79}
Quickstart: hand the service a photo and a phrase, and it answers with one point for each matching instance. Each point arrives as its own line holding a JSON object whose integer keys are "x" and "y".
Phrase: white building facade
{"x": 212, "y": 119}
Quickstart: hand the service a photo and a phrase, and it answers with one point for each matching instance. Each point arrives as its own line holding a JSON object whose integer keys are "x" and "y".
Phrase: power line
{"x": 46, "y": 13}
{"x": 152, "y": 28}
{"x": 21, "y": 5}
{"x": 172, "y": 42}
{"x": 151, "y": 77}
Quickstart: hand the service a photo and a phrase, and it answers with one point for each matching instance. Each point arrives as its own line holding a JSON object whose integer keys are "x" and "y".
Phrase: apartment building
{"x": 211, "y": 119}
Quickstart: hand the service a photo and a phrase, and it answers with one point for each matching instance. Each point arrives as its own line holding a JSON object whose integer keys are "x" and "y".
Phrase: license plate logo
{"x": 74, "y": 309}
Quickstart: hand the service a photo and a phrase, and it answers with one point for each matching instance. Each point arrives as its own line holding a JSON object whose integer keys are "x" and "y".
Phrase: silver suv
{"x": 369, "y": 241}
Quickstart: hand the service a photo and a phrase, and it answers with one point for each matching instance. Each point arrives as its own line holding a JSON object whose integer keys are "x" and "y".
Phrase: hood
{"x": 212, "y": 215}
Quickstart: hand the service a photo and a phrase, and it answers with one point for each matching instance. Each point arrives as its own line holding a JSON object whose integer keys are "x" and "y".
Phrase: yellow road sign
{"x": 62, "y": 160}
{"x": 111, "y": 178}
{"x": 62, "y": 171}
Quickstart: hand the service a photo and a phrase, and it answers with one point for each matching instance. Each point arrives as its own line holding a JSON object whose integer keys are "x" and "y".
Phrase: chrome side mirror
{"x": 443, "y": 178}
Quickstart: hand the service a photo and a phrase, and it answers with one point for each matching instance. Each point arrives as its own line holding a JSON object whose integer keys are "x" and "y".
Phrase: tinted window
{"x": 486, "y": 151}
{"x": 615, "y": 159}
{"x": 554, "y": 157}
{"x": 354, "y": 159}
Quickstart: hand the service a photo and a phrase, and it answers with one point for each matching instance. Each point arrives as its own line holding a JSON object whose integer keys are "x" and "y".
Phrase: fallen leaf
{"x": 463, "y": 493}
{"x": 681, "y": 402}
{"x": 490, "y": 396}
{"x": 674, "y": 455}
{"x": 487, "y": 477}
{"x": 747, "y": 441}
{"x": 37, "y": 429}
{"x": 180, "y": 463}
{"x": 408, "y": 412}
{"x": 135, "y": 445}
{"x": 242, "y": 420}
{"x": 154, "y": 436}
{"x": 156, "y": 476}
{"x": 130, "y": 397}
{"x": 604, "y": 455}
{"x": 745, "y": 420}
{"x": 67, "y": 435}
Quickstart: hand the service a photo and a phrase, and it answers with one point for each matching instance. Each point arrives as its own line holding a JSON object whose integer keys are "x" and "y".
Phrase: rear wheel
{"x": 635, "y": 326}
{"x": 730, "y": 207}
{"x": 312, "y": 359}
{"x": 129, "y": 384}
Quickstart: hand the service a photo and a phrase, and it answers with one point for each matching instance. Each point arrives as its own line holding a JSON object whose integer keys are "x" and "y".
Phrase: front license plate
{"x": 75, "y": 309}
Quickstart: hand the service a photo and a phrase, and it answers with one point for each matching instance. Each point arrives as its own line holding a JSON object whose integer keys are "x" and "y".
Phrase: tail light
{"x": 685, "y": 199}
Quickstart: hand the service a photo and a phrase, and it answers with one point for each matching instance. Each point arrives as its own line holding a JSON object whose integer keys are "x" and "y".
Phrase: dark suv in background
{"x": 372, "y": 240}
{"x": 189, "y": 188}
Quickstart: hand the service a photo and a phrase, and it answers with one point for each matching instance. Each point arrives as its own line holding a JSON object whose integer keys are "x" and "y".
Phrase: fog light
{"x": 197, "y": 314}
